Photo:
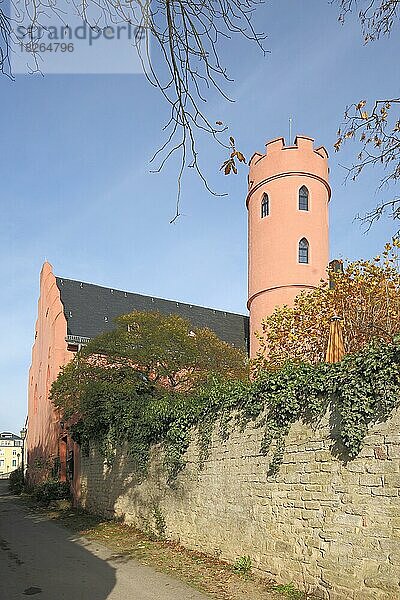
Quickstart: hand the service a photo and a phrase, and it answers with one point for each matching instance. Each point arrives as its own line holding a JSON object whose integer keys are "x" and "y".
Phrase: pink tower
{"x": 288, "y": 225}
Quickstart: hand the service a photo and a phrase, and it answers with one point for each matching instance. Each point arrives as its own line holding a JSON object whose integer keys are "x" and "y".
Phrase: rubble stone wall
{"x": 328, "y": 526}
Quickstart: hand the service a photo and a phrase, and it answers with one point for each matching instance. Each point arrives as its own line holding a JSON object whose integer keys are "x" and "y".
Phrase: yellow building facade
{"x": 11, "y": 448}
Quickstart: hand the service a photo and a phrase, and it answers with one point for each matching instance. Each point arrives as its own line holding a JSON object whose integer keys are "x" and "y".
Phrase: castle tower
{"x": 288, "y": 240}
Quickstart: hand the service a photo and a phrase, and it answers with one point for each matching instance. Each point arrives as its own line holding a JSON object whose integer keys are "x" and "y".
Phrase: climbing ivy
{"x": 366, "y": 389}
{"x": 123, "y": 407}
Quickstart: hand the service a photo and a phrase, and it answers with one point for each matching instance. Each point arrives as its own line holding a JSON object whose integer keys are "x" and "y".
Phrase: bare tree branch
{"x": 376, "y": 128}
{"x": 187, "y": 36}
{"x": 377, "y": 17}
{"x": 391, "y": 207}
{"x": 5, "y": 32}
{"x": 378, "y": 132}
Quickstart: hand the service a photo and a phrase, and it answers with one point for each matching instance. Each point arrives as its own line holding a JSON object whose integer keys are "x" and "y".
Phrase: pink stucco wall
{"x": 49, "y": 354}
{"x": 275, "y": 275}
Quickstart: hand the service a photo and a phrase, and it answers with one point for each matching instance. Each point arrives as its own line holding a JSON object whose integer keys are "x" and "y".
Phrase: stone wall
{"x": 330, "y": 527}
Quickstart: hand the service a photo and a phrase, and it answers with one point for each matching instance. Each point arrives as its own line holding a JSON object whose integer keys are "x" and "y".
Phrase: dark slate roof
{"x": 91, "y": 310}
{"x": 7, "y": 435}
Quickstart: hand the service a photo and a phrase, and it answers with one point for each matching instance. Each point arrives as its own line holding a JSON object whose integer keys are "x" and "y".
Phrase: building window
{"x": 303, "y": 198}
{"x": 304, "y": 247}
{"x": 14, "y": 463}
{"x": 265, "y": 206}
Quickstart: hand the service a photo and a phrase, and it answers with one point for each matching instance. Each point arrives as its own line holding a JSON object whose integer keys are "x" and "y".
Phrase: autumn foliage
{"x": 364, "y": 293}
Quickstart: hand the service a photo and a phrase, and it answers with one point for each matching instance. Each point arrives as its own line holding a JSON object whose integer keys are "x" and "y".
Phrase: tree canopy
{"x": 166, "y": 349}
{"x": 149, "y": 353}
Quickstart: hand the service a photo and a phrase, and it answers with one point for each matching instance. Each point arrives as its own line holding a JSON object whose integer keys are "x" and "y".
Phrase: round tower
{"x": 288, "y": 235}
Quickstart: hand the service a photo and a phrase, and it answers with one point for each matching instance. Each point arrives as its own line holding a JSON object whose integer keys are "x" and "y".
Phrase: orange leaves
{"x": 359, "y": 107}
{"x": 367, "y": 297}
{"x": 338, "y": 144}
{"x": 384, "y": 113}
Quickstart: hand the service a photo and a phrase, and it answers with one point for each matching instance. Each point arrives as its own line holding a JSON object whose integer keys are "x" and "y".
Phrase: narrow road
{"x": 43, "y": 559}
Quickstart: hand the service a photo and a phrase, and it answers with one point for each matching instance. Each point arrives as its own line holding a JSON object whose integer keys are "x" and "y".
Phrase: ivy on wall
{"x": 119, "y": 406}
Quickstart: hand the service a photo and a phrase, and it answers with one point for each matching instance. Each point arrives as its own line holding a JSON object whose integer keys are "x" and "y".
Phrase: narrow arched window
{"x": 303, "y": 198}
{"x": 304, "y": 248}
{"x": 265, "y": 206}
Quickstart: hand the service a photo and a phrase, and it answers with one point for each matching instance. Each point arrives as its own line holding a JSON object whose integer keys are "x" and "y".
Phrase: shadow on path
{"x": 43, "y": 559}
{"x": 39, "y": 558}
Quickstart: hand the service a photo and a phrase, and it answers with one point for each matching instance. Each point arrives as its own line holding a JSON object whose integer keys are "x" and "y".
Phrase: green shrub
{"x": 52, "y": 490}
{"x": 290, "y": 591}
{"x": 243, "y": 565}
{"x": 16, "y": 482}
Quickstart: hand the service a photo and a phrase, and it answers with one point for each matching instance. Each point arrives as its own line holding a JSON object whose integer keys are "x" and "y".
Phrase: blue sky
{"x": 76, "y": 188}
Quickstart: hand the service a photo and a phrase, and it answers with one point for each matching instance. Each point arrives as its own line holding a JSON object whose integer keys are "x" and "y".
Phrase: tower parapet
{"x": 288, "y": 237}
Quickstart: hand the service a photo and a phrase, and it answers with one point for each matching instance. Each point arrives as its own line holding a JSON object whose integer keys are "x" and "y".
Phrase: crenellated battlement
{"x": 301, "y": 142}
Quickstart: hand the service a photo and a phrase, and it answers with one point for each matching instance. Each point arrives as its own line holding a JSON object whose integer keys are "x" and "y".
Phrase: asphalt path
{"x": 42, "y": 559}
